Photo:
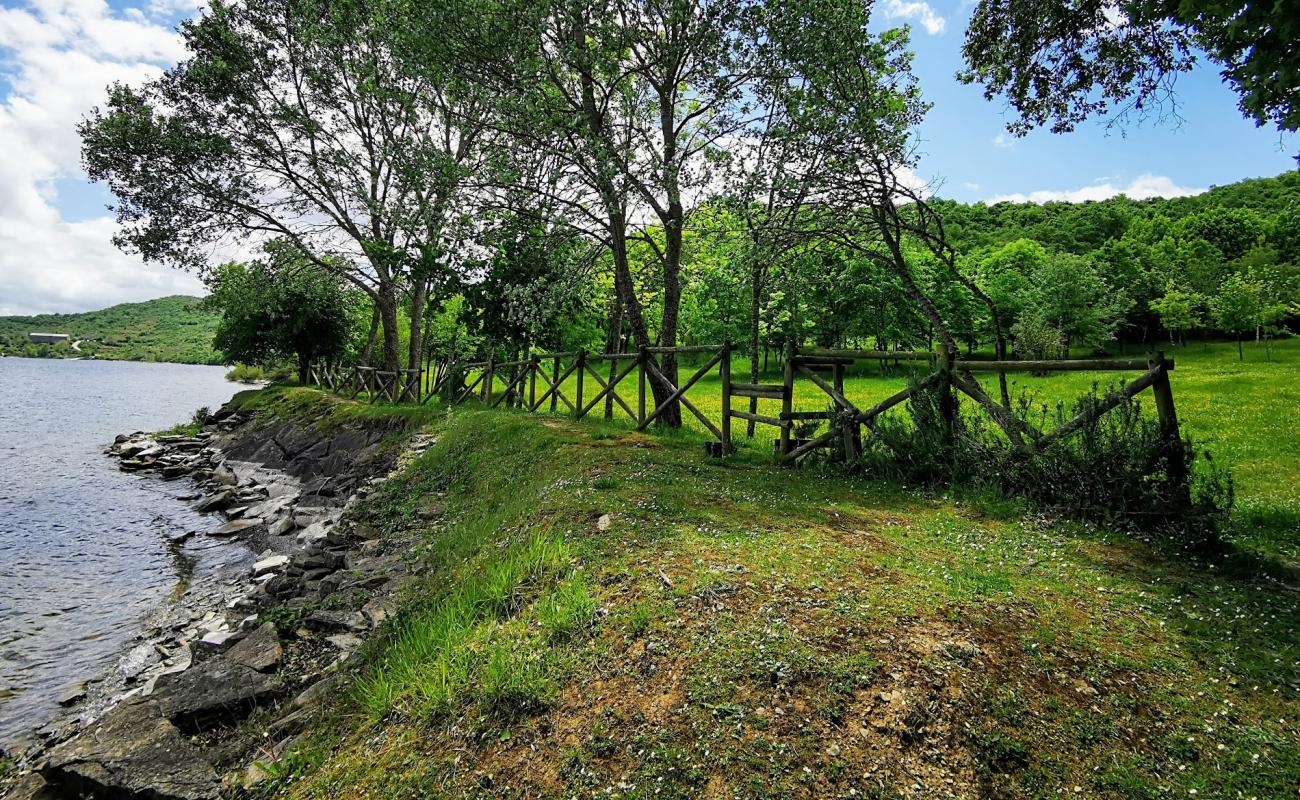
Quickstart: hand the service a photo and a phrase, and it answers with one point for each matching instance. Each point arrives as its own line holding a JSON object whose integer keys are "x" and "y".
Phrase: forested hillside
{"x": 1067, "y": 278}
{"x": 176, "y": 329}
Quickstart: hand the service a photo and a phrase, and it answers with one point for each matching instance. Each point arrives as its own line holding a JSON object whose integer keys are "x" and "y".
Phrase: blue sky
{"x": 56, "y": 56}
{"x": 961, "y": 145}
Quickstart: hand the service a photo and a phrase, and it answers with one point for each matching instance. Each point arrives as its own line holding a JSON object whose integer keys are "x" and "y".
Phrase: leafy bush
{"x": 1116, "y": 469}
{"x": 245, "y": 373}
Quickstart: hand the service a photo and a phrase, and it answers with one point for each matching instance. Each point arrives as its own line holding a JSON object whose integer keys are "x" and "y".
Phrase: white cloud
{"x": 1002, "y": 140}
{"x": 1142, "y": 187}
{"x": 917, "y": 10}
{"x": 974, "y": 187}
{"x": 57, "y": 57}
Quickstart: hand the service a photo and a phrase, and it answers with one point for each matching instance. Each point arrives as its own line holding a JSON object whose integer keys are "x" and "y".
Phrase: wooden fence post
{"x": 850, "y": 435}
{"x": 641, "y": 355}
{"x": 582, "y": 368}
{"x": 488, "y": 377}
{"x": 725, "y": 375}
{"x": 947, "y": 401}
{"x": 787, "y": 394}
{"x": 1173, "y": 440}
{"x": 532, "y": 382}
{"x": 555, "y": 381}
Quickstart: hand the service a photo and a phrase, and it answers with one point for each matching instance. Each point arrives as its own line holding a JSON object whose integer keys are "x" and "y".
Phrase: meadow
{"x": 604, "y": 613}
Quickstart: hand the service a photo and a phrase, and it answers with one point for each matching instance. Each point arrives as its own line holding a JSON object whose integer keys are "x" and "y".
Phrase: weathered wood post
{"x": 947, "y": 400}
{"x": 1173, "y": 440}
{"x": 642, "y": 354}
{"x": 489, "y": 377}
{"x": 532, "y": 382}
{"x": 451, "y": 381}
{"x": 849, "y": 434}
{"x": 787, "y": 395}
{"x": 724, "y": 373}
{"x": 582, "y": 368}
{"x": 555, "y": 381}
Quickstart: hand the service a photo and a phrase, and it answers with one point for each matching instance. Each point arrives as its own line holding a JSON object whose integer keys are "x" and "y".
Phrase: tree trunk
{"x": 415, "y": 348}
{"x": 1241, "y": 355}
{"x": 671, "y": 416}
{"x": 614, "y": 340}
{"x": 304, "y": 369}
{"x": 755, "y": 308}
{"x": 386, "y": 299}
{"x": 370, "y": 337}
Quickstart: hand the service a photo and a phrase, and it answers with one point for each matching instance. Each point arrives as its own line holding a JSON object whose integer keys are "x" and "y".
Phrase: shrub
{"x": 245, "y": 373}
{"x": 1116, "y": 469}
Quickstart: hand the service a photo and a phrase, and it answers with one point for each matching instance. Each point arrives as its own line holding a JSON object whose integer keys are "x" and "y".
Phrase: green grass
{"x": 173, "y": 328}
{"x": 1245, "y": 413}
{"x": 605, "y": 613}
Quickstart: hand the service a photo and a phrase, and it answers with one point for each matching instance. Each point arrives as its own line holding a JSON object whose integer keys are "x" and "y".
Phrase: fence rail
{"x": 540, "y": 380}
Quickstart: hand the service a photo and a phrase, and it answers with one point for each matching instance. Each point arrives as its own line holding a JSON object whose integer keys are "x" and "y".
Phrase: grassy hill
{"x": 172, "y": 328}
{"x": 604, "y": 613}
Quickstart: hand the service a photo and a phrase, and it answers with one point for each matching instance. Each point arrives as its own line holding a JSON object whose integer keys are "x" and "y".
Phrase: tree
{"x": 1235, "y": 309}
{"x": 1177, "y": 312}
{"x": 1068, "y": 293}
{"x": 280, "y": 308}
{"x": 295, "y": 120}
{"x": 1058, "y": 63}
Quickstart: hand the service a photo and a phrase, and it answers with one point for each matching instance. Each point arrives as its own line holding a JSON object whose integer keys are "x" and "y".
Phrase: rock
{"x": 314, "y": 696}
{"x": 270, "y": 564}
{"x": 225, "y": 476}
{"x": 217, "y": 639}
{"x": 133, "y": 751}
{"x": 312, "y": 533}
{"x": 140, "y": 658}
{"x": 603, "y": 523}
{"x": 73, "y": 694}
{"x": 236, "y": 526}
{"x": 137, "y": 446}
{"x": 213, "y": 694}
{"x": 346, "y": 642}
{"x": 260, "y": 650}
{"x": 377, "y": 610}
{"x": 324, "y": 620}
{"x": 131, "y": 465}
{"x": 281, "y": 526}
{"x": 216, "y": 502}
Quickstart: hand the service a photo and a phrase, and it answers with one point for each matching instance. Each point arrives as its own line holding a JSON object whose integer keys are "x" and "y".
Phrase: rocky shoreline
{"x": 222, "y": 679}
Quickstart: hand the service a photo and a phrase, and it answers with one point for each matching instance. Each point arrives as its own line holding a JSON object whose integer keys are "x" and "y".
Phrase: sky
{"x": 57, "y": 57}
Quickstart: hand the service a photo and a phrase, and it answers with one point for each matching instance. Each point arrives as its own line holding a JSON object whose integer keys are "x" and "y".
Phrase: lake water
{"x": 83, "y": 546}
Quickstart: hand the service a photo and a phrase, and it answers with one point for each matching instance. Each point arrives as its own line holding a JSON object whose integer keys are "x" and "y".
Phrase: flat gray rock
{"x": 213, "y": 694}
{"x": 259, "y": 650}
{"x": 133, "y": 751}
{"x": 236, "y": 526}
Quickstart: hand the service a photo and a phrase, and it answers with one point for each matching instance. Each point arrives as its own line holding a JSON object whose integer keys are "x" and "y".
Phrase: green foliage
{"x": 1177, "y": 311}
{"x": 280, "y": 309}
{"x": 245, "y": 373}
{"x": 177, "y": 329}
{"x": 1115, "y": 469}
{"x": 1058, "y": 64}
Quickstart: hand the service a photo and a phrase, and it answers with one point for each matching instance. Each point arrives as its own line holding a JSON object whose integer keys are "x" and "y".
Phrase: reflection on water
{"x": 83, "y": 547}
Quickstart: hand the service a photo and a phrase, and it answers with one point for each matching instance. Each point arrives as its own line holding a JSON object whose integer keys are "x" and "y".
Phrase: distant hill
{"x": 175, "y": 329}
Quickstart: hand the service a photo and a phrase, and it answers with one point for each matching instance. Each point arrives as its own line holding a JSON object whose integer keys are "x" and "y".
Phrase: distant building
{"x": 47, "y": 338}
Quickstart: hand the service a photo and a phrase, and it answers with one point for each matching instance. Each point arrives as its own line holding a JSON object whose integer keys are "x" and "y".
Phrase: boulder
{"x": 213, "y": 694}
{"x": 312, "y": 533}
{"x": 269, "y": 564}
{"x": 215, "y": 502}
{"x": 136, "y": 447}
{"x": 133, "y": 751}
{"x": 260, "y": 650}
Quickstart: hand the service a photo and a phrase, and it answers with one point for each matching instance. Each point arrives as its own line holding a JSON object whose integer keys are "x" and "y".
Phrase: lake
{"x": 83, "y": 547}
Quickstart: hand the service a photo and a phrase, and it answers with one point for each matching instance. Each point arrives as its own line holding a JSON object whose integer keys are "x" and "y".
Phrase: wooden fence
{"x": 537, "y": 383}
